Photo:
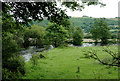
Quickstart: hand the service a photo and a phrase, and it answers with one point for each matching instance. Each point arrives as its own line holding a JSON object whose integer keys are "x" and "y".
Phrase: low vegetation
{"x": 64, "y": 63}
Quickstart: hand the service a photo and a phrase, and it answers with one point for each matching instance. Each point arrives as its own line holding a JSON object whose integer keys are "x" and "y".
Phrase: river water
{"x": 27, "y": 54}
{"x": 85, "y": 45}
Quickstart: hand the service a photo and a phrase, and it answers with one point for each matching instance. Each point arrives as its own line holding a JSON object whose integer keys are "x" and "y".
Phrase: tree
{"x": 12, "y": 62}
{"x": 114, "y": 61}
{"x": 67, "y": 25}
{"x": 25, "y": 12}
{"x": 57, "y": 34}
{"x": 78, "y": 36}
{"x": 36, "y": 33}
{"x": 95, "y": 31}
{"x": 100, "y": 31}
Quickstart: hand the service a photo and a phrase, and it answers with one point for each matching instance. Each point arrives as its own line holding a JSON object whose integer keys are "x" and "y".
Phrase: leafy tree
{"x": 67, "y": 25}
{"x": 114, "y": 61}
{"x": 57, "y": 34}
{"x": 12, "y": 62}
{"x": 95, "y": 31}
{"x": 100, "y": 31}
{"x": 25, "y": 12}
{"x": 36, "y": 33}
{"x": 78, "y": 36}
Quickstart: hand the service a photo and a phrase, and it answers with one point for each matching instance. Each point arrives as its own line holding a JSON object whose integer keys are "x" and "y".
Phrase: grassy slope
{"x": 62, "y": 64}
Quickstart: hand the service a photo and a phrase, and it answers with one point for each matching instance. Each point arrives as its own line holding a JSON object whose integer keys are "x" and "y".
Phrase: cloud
{"x": 109, "y": 11}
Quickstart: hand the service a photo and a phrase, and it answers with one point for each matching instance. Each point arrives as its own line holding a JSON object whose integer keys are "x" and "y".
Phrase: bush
{"x": 64, "y": 45}
{"x": 12, "y": 63}
{"x": 35, "y": 57}
{"x": 12, "y": 39}
{"x": 14, "y": 68}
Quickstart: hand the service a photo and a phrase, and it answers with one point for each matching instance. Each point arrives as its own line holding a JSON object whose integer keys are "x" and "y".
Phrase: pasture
{"x": 63, "y": 63}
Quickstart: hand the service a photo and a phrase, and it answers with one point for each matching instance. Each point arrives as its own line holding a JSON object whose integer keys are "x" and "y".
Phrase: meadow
{"x": 63, "y": 63}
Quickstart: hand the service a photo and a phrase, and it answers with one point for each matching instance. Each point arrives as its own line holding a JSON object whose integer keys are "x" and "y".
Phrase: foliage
{"x": 57, "y": 34}
{"x": 32, "y": 11}
{"x": 34, "y": 35}
{"x": 114, "y": 61}
{"x": 36, "y": 57}
{"x": 101, "y": 31}
{"x": 38, "y": 10}
{"x": 86, "y": 23}
{"x": 78, "y": 36}
{"x": 67, "y": 26}
{"x": 12, "y": 39}
{"x": 87, "y": 36}
{"x": 14, "y": 67}
{"x": 65, "y": 23}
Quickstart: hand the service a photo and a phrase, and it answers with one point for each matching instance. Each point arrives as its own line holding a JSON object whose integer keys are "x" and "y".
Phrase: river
{"x": 27, "y": 54}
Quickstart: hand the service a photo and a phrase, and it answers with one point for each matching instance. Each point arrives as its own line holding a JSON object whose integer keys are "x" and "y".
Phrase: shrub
{"x": 34, "y": 59}
{"x": 37, "y": 56}
{"x": 14, "y": 68}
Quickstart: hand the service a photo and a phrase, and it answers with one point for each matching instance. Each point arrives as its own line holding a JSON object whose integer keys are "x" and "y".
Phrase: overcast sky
{"x": 108, "y": 11}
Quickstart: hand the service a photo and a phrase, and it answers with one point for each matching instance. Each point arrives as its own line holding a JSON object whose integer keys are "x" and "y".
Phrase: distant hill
{"x": 86, "y": 23}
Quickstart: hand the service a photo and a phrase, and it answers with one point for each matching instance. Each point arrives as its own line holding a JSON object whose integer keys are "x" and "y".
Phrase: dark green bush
{"x": 14, "y": 68}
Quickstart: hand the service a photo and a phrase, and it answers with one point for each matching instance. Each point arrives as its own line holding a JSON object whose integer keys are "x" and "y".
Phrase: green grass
{"x": 62, "y": 63}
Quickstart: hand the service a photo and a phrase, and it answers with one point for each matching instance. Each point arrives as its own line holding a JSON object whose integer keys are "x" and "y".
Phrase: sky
{"x": 108, "y": 11}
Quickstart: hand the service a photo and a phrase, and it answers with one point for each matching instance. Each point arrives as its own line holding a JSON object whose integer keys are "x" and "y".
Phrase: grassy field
{"x": 62, "y": 63}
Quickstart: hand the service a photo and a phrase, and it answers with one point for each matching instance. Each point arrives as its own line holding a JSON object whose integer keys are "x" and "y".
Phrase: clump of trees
{"x": 34, "y": 35}
{"x": 78, "y": 36}
{"x": 56, "y": 34}
{"x": 100, "y": 31}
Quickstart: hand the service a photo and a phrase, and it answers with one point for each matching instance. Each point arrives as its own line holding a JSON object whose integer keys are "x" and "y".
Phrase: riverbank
{"x": 62, "y": 63}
